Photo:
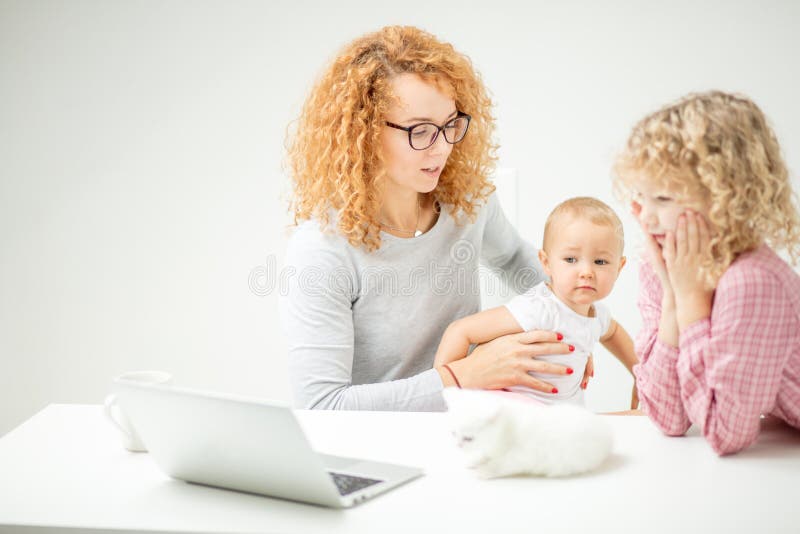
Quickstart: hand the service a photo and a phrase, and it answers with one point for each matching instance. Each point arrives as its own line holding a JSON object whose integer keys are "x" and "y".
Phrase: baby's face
{"x": 583, "y": 261}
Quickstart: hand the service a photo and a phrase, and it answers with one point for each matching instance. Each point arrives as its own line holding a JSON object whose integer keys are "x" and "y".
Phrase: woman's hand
{"x": 683, "y": 254}
{"x": 505, "y": 362}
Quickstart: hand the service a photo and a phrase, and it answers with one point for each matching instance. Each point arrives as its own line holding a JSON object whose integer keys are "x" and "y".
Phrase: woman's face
{"x": 417, "y": 101}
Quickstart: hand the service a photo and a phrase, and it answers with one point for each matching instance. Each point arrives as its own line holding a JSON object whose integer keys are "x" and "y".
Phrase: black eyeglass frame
{"x": 440, "y": 130}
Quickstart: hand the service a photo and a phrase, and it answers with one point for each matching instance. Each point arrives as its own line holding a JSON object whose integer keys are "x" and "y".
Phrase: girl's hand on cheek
{"x": 683, "y": 254}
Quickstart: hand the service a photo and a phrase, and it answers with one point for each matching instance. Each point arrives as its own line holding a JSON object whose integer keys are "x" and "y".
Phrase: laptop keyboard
{"x": 347, "y": 484}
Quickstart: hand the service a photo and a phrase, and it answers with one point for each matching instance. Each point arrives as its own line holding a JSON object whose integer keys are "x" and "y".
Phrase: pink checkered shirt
{"x": 728, "y": 369}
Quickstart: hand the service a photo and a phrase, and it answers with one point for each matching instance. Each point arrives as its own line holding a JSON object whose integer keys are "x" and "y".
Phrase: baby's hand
{"x": 588, "y": 372}
{"x": 634, "y": 398}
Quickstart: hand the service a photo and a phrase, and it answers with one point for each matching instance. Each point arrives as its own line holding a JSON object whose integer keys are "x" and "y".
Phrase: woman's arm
{"x": 473, "y": 330}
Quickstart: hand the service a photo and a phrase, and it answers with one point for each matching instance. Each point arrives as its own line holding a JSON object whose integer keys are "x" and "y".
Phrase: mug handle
{"x": 110, "y": 402}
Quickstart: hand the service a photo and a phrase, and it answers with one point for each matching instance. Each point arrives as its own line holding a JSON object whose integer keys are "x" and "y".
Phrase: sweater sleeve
{"x": 504, "y": 250}
{"x": 730, "y": 365}
{"x": 656, "y": 374}
{"x": 317, "y": 319}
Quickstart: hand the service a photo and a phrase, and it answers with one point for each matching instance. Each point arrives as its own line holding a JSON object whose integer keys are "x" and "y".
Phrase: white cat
{"x": 503, "y": 437}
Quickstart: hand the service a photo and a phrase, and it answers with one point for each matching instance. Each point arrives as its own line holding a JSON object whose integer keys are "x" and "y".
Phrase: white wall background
{"x": 141, "y": 146}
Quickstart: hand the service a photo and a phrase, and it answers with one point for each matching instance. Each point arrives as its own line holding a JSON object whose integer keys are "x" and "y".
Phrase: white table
{"x": 65, "y": 469}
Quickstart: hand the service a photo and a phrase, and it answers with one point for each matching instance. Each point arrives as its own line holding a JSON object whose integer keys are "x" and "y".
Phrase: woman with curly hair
{"x": 720, "y": 344}
{"x": 389, "y": 161}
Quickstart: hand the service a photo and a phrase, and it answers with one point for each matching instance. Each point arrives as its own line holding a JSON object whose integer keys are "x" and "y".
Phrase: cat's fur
{"x": 502, "y": 437}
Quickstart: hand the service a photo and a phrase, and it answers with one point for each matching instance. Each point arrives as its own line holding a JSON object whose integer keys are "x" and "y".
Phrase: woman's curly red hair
{"x": 334, "y": 153}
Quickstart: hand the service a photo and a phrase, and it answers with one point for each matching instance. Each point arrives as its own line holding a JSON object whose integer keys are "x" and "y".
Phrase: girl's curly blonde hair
{"x": 334, "y": 154}
{"x": 719, "y": 154}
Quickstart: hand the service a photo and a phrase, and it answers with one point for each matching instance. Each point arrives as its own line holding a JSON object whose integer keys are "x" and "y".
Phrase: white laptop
{"x": 247, "y": 445}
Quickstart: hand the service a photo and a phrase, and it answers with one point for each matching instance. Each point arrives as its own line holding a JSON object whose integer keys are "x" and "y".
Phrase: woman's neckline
{"x": 425, "y": 235}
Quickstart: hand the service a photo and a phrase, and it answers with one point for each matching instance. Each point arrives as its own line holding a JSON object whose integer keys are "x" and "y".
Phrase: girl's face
{"x": 417, "y": 101}
{"x": 659, "y": 207}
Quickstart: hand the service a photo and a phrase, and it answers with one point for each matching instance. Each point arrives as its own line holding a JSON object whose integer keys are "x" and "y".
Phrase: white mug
{"x": 114, "y": 413}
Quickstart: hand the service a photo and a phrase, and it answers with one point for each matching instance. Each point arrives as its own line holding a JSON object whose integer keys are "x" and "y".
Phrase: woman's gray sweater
{"x": 363, "y": 327}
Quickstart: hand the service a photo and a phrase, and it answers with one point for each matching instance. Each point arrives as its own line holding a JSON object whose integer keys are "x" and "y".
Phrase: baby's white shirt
{"x": 540, "y": 309}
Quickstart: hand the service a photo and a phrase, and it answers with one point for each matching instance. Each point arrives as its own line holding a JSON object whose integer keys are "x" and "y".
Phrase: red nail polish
{"x": 560, "y": 337}
{"x": 571, "y": 348}
{"x": 569, "y": 370}
{"x": 583, "y": 386}
{"x": 555, "y": 390}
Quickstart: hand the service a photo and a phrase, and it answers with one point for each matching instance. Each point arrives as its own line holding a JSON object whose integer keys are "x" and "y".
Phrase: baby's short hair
{"x": 596, "y": 211}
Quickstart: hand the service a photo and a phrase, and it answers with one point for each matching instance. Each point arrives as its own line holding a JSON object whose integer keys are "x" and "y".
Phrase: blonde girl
{"x": 390, "y": 161}
{"x": 720, "y": 345}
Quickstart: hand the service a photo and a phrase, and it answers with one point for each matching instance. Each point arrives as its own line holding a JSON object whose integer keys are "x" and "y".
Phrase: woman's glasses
{"x": 424, "y": 134}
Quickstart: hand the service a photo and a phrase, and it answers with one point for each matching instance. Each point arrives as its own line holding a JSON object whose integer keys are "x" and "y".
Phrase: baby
{"x": 582, "y": 254}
